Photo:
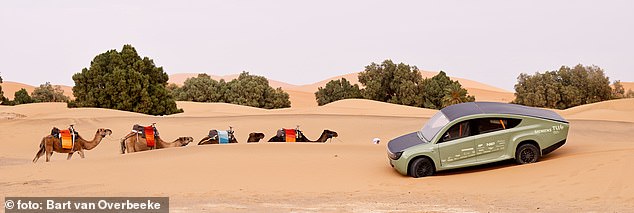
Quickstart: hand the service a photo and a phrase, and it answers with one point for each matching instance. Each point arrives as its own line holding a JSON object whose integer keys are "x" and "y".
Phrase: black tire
{"x": 422, "y": 167}
{"x": 527, "y": 153}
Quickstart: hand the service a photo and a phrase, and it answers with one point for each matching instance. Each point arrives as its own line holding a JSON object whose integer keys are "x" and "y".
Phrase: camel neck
{"x": 88, "y": 145}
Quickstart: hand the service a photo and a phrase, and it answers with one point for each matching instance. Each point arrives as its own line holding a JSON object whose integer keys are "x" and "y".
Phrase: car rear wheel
{"x": 422, "y": 167}
{"x": 527, "y": 153}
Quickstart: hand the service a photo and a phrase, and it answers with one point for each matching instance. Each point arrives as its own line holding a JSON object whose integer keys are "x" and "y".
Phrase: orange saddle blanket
{"x": 67, "y": 139}
{"x": 149, "y": 136}
{"x": 290, "y": 135}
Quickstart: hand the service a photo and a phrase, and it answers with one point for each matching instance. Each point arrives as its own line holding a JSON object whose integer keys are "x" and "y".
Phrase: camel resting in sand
{"x": 325, "y": 135}
{"x": 255, "y": 137}
{"x": 133, "y": 143}
{"x": 212, "y": 138}
{"x": 50, "y": 144}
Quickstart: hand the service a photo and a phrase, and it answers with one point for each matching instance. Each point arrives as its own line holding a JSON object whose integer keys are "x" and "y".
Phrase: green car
{"x": 477, "y": 133}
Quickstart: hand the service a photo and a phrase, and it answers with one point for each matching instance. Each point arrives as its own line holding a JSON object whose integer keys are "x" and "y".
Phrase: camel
{"x": 132, "y": 143}
{"x": 214, "y": 139}
{"x": 255, "y": 137}
{"x": 327, "y": 134}
{"x": 50, "y": 143}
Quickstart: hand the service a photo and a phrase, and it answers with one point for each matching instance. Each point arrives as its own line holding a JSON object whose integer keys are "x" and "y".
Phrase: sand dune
{"x": 349, "y": 174}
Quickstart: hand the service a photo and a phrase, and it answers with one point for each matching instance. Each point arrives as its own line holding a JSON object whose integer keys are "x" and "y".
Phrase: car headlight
{"x": 395, "y": 156}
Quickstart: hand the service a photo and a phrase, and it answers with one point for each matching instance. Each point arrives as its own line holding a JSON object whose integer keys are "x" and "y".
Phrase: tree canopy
{"x": 563, "y": 88}
{"x": 337, "y": 90}
{"x": 1, "y": 92}
{"x": 247, "y": 90}
{"x": 124, "y": 81}
{"x": 22, "y": 97}
{"x": 403, "y": 84}
{"x": 48, "y": 93}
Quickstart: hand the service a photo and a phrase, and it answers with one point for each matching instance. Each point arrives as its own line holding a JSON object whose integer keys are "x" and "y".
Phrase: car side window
{"x": 486, "y": 125}
{"x": 459, "y": 130}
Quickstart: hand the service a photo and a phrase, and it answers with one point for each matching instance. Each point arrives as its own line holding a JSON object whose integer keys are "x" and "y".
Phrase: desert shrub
{"x": 48, "y": 93}
{"x": 124, "y": 81}
{"x": 564, "y": 88}
{"x": 22, "y": 97}
{"x": 337, "y": 90}
{"x": 403, "y": 84}
{"x": 247, "y": 90}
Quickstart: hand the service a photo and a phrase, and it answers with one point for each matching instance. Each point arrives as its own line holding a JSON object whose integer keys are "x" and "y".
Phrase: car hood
{"x": 403, "y": 142}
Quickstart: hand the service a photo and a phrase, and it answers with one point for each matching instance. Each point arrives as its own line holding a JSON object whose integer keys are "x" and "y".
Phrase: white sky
{"x": 303, "y": 42}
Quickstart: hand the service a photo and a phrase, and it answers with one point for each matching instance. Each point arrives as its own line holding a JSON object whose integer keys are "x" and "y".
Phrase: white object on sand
{"x": 376, "y": 140}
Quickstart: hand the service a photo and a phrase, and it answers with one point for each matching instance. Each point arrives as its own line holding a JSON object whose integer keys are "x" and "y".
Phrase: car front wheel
{"x": 527, "y": 153}
{"x": 422, "y": 167}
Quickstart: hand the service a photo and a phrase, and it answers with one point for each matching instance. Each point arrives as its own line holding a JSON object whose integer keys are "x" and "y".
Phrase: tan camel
{"x": 255, "y": 137}
{"x": 133, "y": 143}
{"x": 327, "y": 134}
{"x": 50, "y": 143}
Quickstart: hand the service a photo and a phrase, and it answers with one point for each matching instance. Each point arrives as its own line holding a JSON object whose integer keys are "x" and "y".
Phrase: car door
{"x": 456, "y": 147}
{"x": 491, "y": 141}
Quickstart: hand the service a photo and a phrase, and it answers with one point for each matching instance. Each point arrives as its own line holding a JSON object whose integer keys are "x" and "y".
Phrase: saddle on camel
{"x": 288, "y": 135}
{"x": 67, "y": 136}
{"x": 219, "y": 137}
{"x": 146, "y": 132}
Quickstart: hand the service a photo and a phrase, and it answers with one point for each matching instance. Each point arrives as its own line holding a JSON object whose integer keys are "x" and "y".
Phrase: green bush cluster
{"x": 566, "y": 87}
{"x": 397, "y": 84}
{"x": 124, "y": 81}
{"x": 247, "y": 90}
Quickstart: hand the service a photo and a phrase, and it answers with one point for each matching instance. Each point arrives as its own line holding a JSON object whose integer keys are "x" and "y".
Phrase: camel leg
{"x": 69, "y": 156}
{"x": 49, "y": 152}
{"x": 81, "y": 153}
{"x": 39, "y": 152}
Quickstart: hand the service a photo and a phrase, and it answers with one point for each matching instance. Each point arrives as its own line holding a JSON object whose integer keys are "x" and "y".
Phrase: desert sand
{"x": 592, "y": 172}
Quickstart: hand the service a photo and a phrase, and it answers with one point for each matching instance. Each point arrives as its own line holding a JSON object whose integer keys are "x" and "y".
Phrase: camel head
{"x": 331, "y": 134}
{"x": 185, "y": 140}
{"x": 256, "y": 135}
{"x": 104, "y": 132}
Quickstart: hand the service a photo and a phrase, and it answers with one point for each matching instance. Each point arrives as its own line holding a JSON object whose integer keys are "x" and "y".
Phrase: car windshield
{"x": 432, "y": 126}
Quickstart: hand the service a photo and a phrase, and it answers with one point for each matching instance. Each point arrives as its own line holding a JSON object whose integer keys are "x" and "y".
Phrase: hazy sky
{"x": 302, "y": 42}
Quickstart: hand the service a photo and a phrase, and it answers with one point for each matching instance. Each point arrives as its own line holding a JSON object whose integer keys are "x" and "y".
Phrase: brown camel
{"x": 255, "y": 137}
{"x": 134, "y": 143}
{"x": 214, "y": 137}
{"x": 50, "y": 143}
{"x": 327, "y": 134}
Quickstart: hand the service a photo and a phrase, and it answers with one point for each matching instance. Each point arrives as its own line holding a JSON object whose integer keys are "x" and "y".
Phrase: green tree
{"x": 247, "y": 90}
{"x": 392, "y": 83}
{"x": 563, "y": 88}
{"x": 22, "y": 97}
{"x": 1, "y": 92}
{"x": 455, "y": 94}
{"x": 403, "y": 84}
{"x": 124, "y": 81}
{"x": 618, "y": 91}
{"x": 252, "y": 90}
{"x": 200, "y": 89}
{"x": 48, "y": 93}
{"x": 337, "y": 90}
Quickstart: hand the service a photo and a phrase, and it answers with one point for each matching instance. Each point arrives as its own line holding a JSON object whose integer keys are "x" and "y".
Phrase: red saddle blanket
{"x": 67, "y": 139}
{"x": 290, "y": 135}
{"x": 149, "y": 136}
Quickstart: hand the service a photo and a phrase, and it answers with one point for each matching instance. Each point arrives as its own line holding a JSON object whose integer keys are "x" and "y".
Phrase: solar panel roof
{"x": 472, "y": 108}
